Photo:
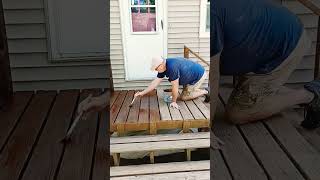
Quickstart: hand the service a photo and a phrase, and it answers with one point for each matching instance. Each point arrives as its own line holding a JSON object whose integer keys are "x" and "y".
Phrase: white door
{"x": 143, "y": 25}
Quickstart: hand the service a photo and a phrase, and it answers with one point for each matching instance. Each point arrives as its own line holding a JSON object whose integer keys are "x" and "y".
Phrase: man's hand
{"x": 92, "y": 104}
{"x": 137, "y": 94}
{"x": 174, "y": 105}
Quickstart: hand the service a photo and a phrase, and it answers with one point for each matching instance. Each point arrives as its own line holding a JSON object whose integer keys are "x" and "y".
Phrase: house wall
{"x": 31, "y": 69}
{"x": 183, "y": 29}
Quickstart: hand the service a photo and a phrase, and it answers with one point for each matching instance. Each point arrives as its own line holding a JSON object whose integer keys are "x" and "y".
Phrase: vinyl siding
{"x": 304, "y": 71}
{"x": 28, "y": 52}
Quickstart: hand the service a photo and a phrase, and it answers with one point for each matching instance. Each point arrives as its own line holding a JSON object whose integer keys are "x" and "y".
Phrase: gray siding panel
{"x": 23, "y": 4}
{"x": 61, "y": 85}
{"x": 304, "y": 71}
{"x": 27, "y": 31}
{"x": 28, "y": 51}
{"x": 27, "y": 60}
{"x": 27, "y": 46}
{"x": 32, "y": 16}
{"x": 59, "y": 73}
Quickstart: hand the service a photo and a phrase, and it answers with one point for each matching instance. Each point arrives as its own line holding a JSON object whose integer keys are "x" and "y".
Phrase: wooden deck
{"x": 151, "y": 113}
{"x": 278, "y": 148}
{"x": 32, "y": 125}
{"x": 30, "y": 130}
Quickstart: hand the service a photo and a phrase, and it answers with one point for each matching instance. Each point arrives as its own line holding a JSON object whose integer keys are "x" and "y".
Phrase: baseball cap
{"x": 156, "y": 61}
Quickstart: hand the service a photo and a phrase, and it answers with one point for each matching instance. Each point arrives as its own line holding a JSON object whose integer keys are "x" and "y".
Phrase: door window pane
{"x": 152, "y": 2}
{"x": 143, "y": 20}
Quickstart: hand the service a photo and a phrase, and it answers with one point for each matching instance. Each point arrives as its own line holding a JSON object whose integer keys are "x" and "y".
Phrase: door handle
{"x": 161, "y": 24}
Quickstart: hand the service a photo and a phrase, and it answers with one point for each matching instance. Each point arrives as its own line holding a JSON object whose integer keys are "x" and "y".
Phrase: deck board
{"x": 134, "y": 111}
{"x": 101, "y": 157}
{"x": 236, "y": 152}
{"x": 269, "y": 153}
{"x": 275, "y": 149}
{"x": 144, "y": 110}
{"x": 154, "y": 112}
{"x": 115, "y": 108}
{"x": 15, "y": 153}
{"x": 305, "y": 156}
{"x": 219, "y": 170}
{"x": 124, "y": 110}
{"x": 10, "y": 116}
{"x": 202, "y": 107}
{"x": 55, "y": 128}
{"x": 114, "y": 96}
{"x": 163, "y": 107}
{"x": 77, "y": 159}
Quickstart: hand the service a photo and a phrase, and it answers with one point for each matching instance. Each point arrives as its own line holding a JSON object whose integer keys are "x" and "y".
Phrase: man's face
{"x": 161, "y": 68}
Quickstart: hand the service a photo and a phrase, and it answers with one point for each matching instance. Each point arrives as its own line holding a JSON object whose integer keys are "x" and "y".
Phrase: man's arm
{"x": 214, "y": 83}
{"x": 175, "y": 90}
{"x": 151, "y": 87}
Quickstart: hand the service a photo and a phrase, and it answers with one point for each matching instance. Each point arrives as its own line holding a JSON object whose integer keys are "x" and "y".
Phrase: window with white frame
{"x": 205, "y": 18}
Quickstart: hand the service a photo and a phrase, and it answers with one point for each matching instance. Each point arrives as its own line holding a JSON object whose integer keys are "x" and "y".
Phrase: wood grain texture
{"x": 159, "y": 137}
{"x": 269, "y": 153}
{"x": 218, "y": 168}
{"x": 115, "y": 108}
{"x": 15, "y": 153}
{"x": 11, "y": 114}
{"x": 161, "y": 145}
{"x": 48, "y": 147}
{"x": 159, "y": 168}
{"x": 201, "y": 175}
{"x": 77, "y": 158}
{"x": 238, "y": 156}
{"x": 154, "y": 112}
{"x": 101, "y": 156}
{"x": 305, "y": 157}
{"x": 124, "y": 111}
{"x": 163, "y": 106}
{"x": 144, "y": 109}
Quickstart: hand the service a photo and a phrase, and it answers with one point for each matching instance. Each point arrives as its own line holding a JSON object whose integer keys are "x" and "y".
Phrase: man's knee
{"x": 236, "y": 116}
{"x": 186, "y": 97}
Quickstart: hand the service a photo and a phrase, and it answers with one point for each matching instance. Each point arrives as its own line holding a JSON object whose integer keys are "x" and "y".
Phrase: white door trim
{"x": 165, "y": 34}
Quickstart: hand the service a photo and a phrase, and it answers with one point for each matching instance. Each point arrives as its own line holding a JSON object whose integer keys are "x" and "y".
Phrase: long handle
{"x": 75, "y": 122}
{"x": 134, "y": 98}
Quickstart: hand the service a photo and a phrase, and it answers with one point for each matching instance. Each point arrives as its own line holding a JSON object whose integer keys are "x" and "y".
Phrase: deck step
{"x": 159, "y": 142}
{"x": 203, "y": 175}
{"x": 162, "y": 142}
{"x": 161, "y": 168}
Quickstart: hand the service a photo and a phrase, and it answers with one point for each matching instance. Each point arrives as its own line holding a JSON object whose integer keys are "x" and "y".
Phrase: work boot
{"x": 312, "y": 110}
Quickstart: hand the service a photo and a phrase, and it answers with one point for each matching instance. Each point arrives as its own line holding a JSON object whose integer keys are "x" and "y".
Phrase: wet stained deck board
{"x": 101, "y": 155}
{"x": 54, "y": 129}
{"x": 11, "y": 115}
{"x": 15, "y": 153}
{"x": 115, "y": 108}
{"x": 150, "y": 110}
{"x": 77, "y": 158}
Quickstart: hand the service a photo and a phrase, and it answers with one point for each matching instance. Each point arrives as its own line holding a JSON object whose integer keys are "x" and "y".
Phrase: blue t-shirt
{"x": 252, "y": 35}
{"x": 187, "y": 71}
